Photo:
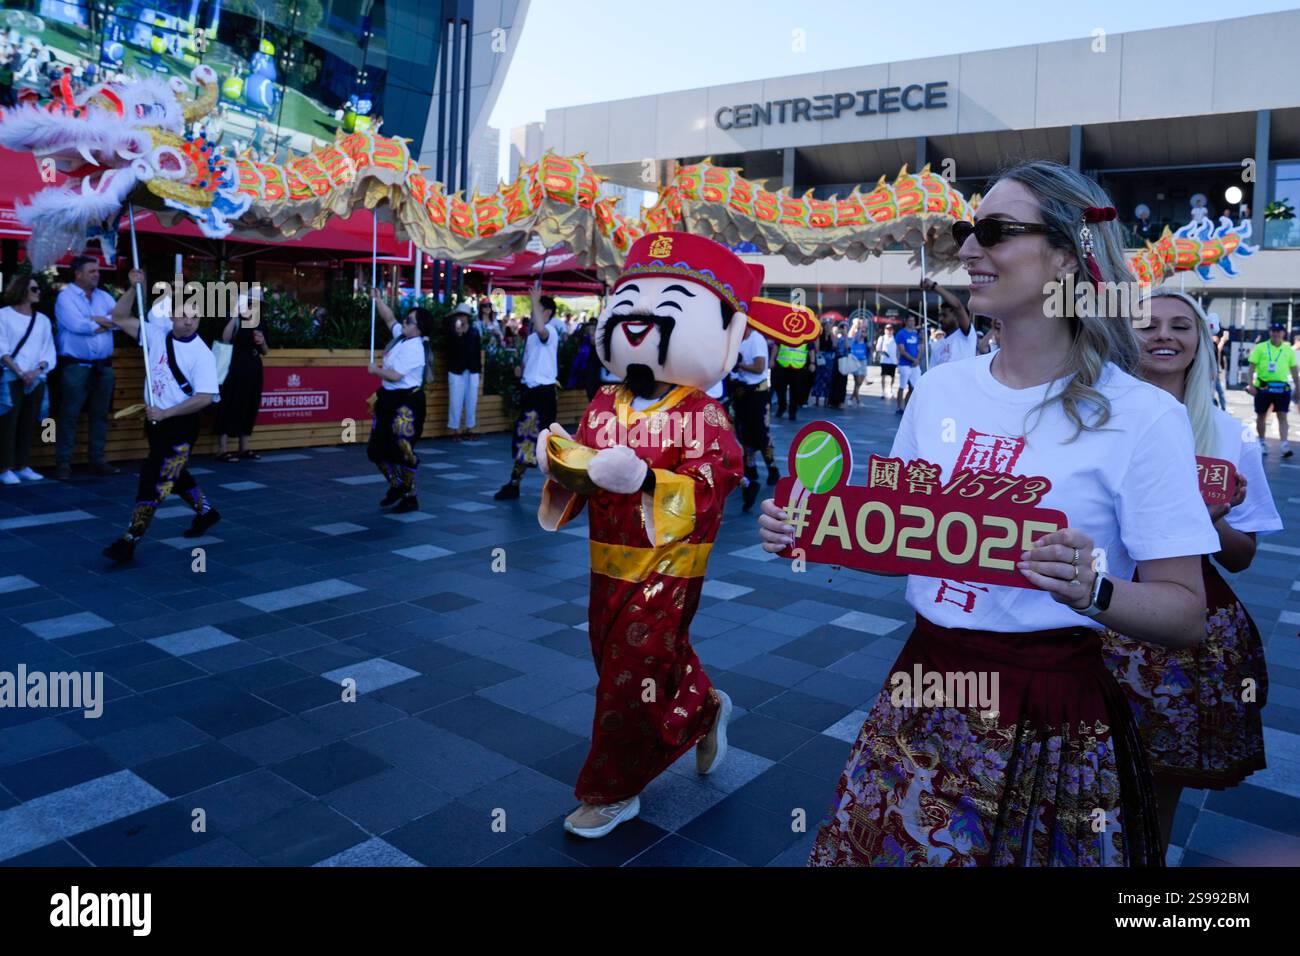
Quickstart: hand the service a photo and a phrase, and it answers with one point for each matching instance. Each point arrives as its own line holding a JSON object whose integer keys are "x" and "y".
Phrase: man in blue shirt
{"x": 909, "y": 370}
{"x": 85, "y": 342}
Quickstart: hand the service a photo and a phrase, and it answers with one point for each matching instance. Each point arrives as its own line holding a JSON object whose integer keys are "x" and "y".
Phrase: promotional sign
{"x": 311, "y": 394}
{"x": 1217, "y": 478}
{"x": 907, "y": 519}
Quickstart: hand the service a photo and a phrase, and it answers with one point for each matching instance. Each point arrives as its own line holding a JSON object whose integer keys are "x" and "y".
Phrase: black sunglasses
{"x": 989, "y": 232}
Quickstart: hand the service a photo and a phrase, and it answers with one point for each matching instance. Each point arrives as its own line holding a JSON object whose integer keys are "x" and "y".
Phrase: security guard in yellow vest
{"x": 788, "y": 377}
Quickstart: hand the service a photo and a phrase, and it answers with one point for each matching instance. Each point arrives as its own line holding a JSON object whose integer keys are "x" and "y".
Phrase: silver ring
{"x": 1075, "y": 561}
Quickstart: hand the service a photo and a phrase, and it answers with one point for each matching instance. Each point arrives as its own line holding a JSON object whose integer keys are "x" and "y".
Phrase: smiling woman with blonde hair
{"x": 1053, "y": 773}
{"x": 1198, "y": 708}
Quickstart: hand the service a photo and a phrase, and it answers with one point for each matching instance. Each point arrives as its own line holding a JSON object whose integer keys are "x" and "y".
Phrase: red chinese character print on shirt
{"x": 987, "y": 453}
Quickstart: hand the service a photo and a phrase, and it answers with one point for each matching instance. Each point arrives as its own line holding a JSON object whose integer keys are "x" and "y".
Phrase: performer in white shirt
{"x": 751, "y": 401}
{"x": 398, "y": 422}
{"x": 26, "y": 357}
{"x": 959, "y": 336}
{"x": 1198, "y": 708}
{"x": 183, "y": 372}
{"x": 539, "y": 376}
{"x": 1022, "y": 783}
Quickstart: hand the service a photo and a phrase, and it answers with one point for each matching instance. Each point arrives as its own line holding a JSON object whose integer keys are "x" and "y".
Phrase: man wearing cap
{"x": 666, "y": 463}
{"x": 1274, "y": 364}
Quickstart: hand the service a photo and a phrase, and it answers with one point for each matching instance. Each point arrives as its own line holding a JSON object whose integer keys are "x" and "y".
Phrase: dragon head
{"x": 107, "y": 140}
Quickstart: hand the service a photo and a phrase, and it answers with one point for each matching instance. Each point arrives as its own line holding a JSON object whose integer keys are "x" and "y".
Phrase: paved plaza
{"x": 474, "y": 685}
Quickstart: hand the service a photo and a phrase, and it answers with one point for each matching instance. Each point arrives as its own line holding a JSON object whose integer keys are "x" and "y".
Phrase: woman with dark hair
{"x": 27, "y": 355}
{"x": 241, "y": 392}
{"x": 464, "y": 369}
{"x": 1200, "y": 725}
{"x": 1051, "y": 770}
{"x": 398, "y": 423}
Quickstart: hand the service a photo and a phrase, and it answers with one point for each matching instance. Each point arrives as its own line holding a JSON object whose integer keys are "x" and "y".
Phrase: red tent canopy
{"x": 20, "y": 178}
{"x": 561, "y": 272}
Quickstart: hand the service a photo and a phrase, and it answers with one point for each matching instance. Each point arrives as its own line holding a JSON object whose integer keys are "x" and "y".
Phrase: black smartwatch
{"x": 1102, "y": 591}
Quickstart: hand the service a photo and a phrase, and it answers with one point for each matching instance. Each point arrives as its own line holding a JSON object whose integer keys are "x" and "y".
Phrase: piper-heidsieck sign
{"x": 828, "y": 106}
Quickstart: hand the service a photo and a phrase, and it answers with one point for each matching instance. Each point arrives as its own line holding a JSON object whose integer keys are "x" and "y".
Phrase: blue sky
{"x": 587, "y": 51}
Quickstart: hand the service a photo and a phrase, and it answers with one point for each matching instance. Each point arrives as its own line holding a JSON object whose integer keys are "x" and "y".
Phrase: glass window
{"x": 1279, "y": 232}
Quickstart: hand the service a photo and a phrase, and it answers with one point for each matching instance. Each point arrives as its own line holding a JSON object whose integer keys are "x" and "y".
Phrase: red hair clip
{"x": 1099, "y": 213}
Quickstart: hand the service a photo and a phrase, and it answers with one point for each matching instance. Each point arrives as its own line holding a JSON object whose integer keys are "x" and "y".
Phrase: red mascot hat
{"x": 698, "y": 259}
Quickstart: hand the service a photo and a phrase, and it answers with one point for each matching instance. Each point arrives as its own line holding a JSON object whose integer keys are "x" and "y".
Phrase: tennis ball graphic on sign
{"x": 818, "y": 463}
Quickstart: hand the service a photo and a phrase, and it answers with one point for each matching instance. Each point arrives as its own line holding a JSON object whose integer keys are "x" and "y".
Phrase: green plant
{"x": 1279, "y": 210}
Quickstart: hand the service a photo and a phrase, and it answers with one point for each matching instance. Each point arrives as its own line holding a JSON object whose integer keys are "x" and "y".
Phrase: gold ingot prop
{"x": 568, "y": 460}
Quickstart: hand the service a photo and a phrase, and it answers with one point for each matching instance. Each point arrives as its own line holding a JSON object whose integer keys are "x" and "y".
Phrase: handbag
{"x": 848, "y": 365}
{"x": 222, "y": 352}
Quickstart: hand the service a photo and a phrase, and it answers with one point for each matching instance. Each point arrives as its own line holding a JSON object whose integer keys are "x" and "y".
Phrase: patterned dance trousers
{"x": 165, "y": 471}
{"x": 397, "y": 424}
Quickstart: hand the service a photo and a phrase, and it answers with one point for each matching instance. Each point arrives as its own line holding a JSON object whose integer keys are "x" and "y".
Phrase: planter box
{"x": 126, "y": 439}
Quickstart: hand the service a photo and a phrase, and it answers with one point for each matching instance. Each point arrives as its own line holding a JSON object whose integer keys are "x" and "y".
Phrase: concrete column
{"x": 1263, "y": 188}
{"x": 922, "y": 154}
{"x": 787, "y": 168}
{"x": 1076, "y": 148}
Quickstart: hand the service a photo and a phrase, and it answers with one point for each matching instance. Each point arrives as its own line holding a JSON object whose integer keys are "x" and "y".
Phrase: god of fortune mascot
{"x": 653, "y": 461}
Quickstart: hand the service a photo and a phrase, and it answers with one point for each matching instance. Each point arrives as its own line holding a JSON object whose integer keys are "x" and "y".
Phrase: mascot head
{"x": 677, "y": 312}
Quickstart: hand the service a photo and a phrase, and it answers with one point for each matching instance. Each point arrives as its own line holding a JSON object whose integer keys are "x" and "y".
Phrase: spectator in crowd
{"x": 85, "y": 314}
{"x": 1144, "y": 230}
{"x": 841, "y": 366}
{"x": 487, "y": 324}
{"x": 241, "y": 392}
{"x": 860, "y": 350}
{"x": 908, "y": 340}
{"x": 27, "y": 355}
{"x": 822, "y": 365}
{"x": 464, "y": 369}
{"x": 585, "y": 371}
{"x": 887, "y": 356}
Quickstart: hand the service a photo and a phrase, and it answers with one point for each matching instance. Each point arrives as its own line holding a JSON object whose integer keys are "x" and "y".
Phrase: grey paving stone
{"x": 192, "y": 641}
{"x": 303, "y": 594}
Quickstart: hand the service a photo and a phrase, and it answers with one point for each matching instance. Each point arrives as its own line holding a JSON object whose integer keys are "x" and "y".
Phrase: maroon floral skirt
{"x": 1198, "y": 708}
{"x": 1053, "y": 774}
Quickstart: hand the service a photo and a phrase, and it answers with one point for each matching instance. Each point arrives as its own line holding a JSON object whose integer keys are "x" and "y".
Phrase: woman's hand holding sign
{"x": 772, "y": 527}
{"x": 1061, "y": 562}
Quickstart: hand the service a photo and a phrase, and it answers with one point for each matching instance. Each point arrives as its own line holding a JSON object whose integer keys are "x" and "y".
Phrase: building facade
{"x": 1159, "y": 117}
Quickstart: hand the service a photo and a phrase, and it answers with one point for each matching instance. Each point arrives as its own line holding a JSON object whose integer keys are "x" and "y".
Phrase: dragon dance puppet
{"x": 129, "y": 141}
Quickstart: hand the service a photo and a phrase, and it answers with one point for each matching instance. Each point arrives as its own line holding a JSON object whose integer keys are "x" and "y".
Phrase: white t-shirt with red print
{"x": 1131, "y": 486}
{"x": 194, "y": 359}
{"x": 1257, "y": 513}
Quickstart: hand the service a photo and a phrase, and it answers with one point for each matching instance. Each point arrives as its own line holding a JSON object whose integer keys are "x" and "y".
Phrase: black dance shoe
{"x": 394, "y": 494}
{"x": 408, "y": 504}
{"x": 120, "y": 551}
{"x": 509, "y": 491}
{"x": 201, "y": 523}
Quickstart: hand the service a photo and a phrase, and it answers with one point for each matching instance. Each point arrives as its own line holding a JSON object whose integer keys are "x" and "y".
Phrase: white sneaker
{"x": 1263, "y": 447}
{"x": 28, "y": 475}
{"x": 1286, "y": 449}
{"x": 9, "y": 478}
{"x": 594, "y": 821}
